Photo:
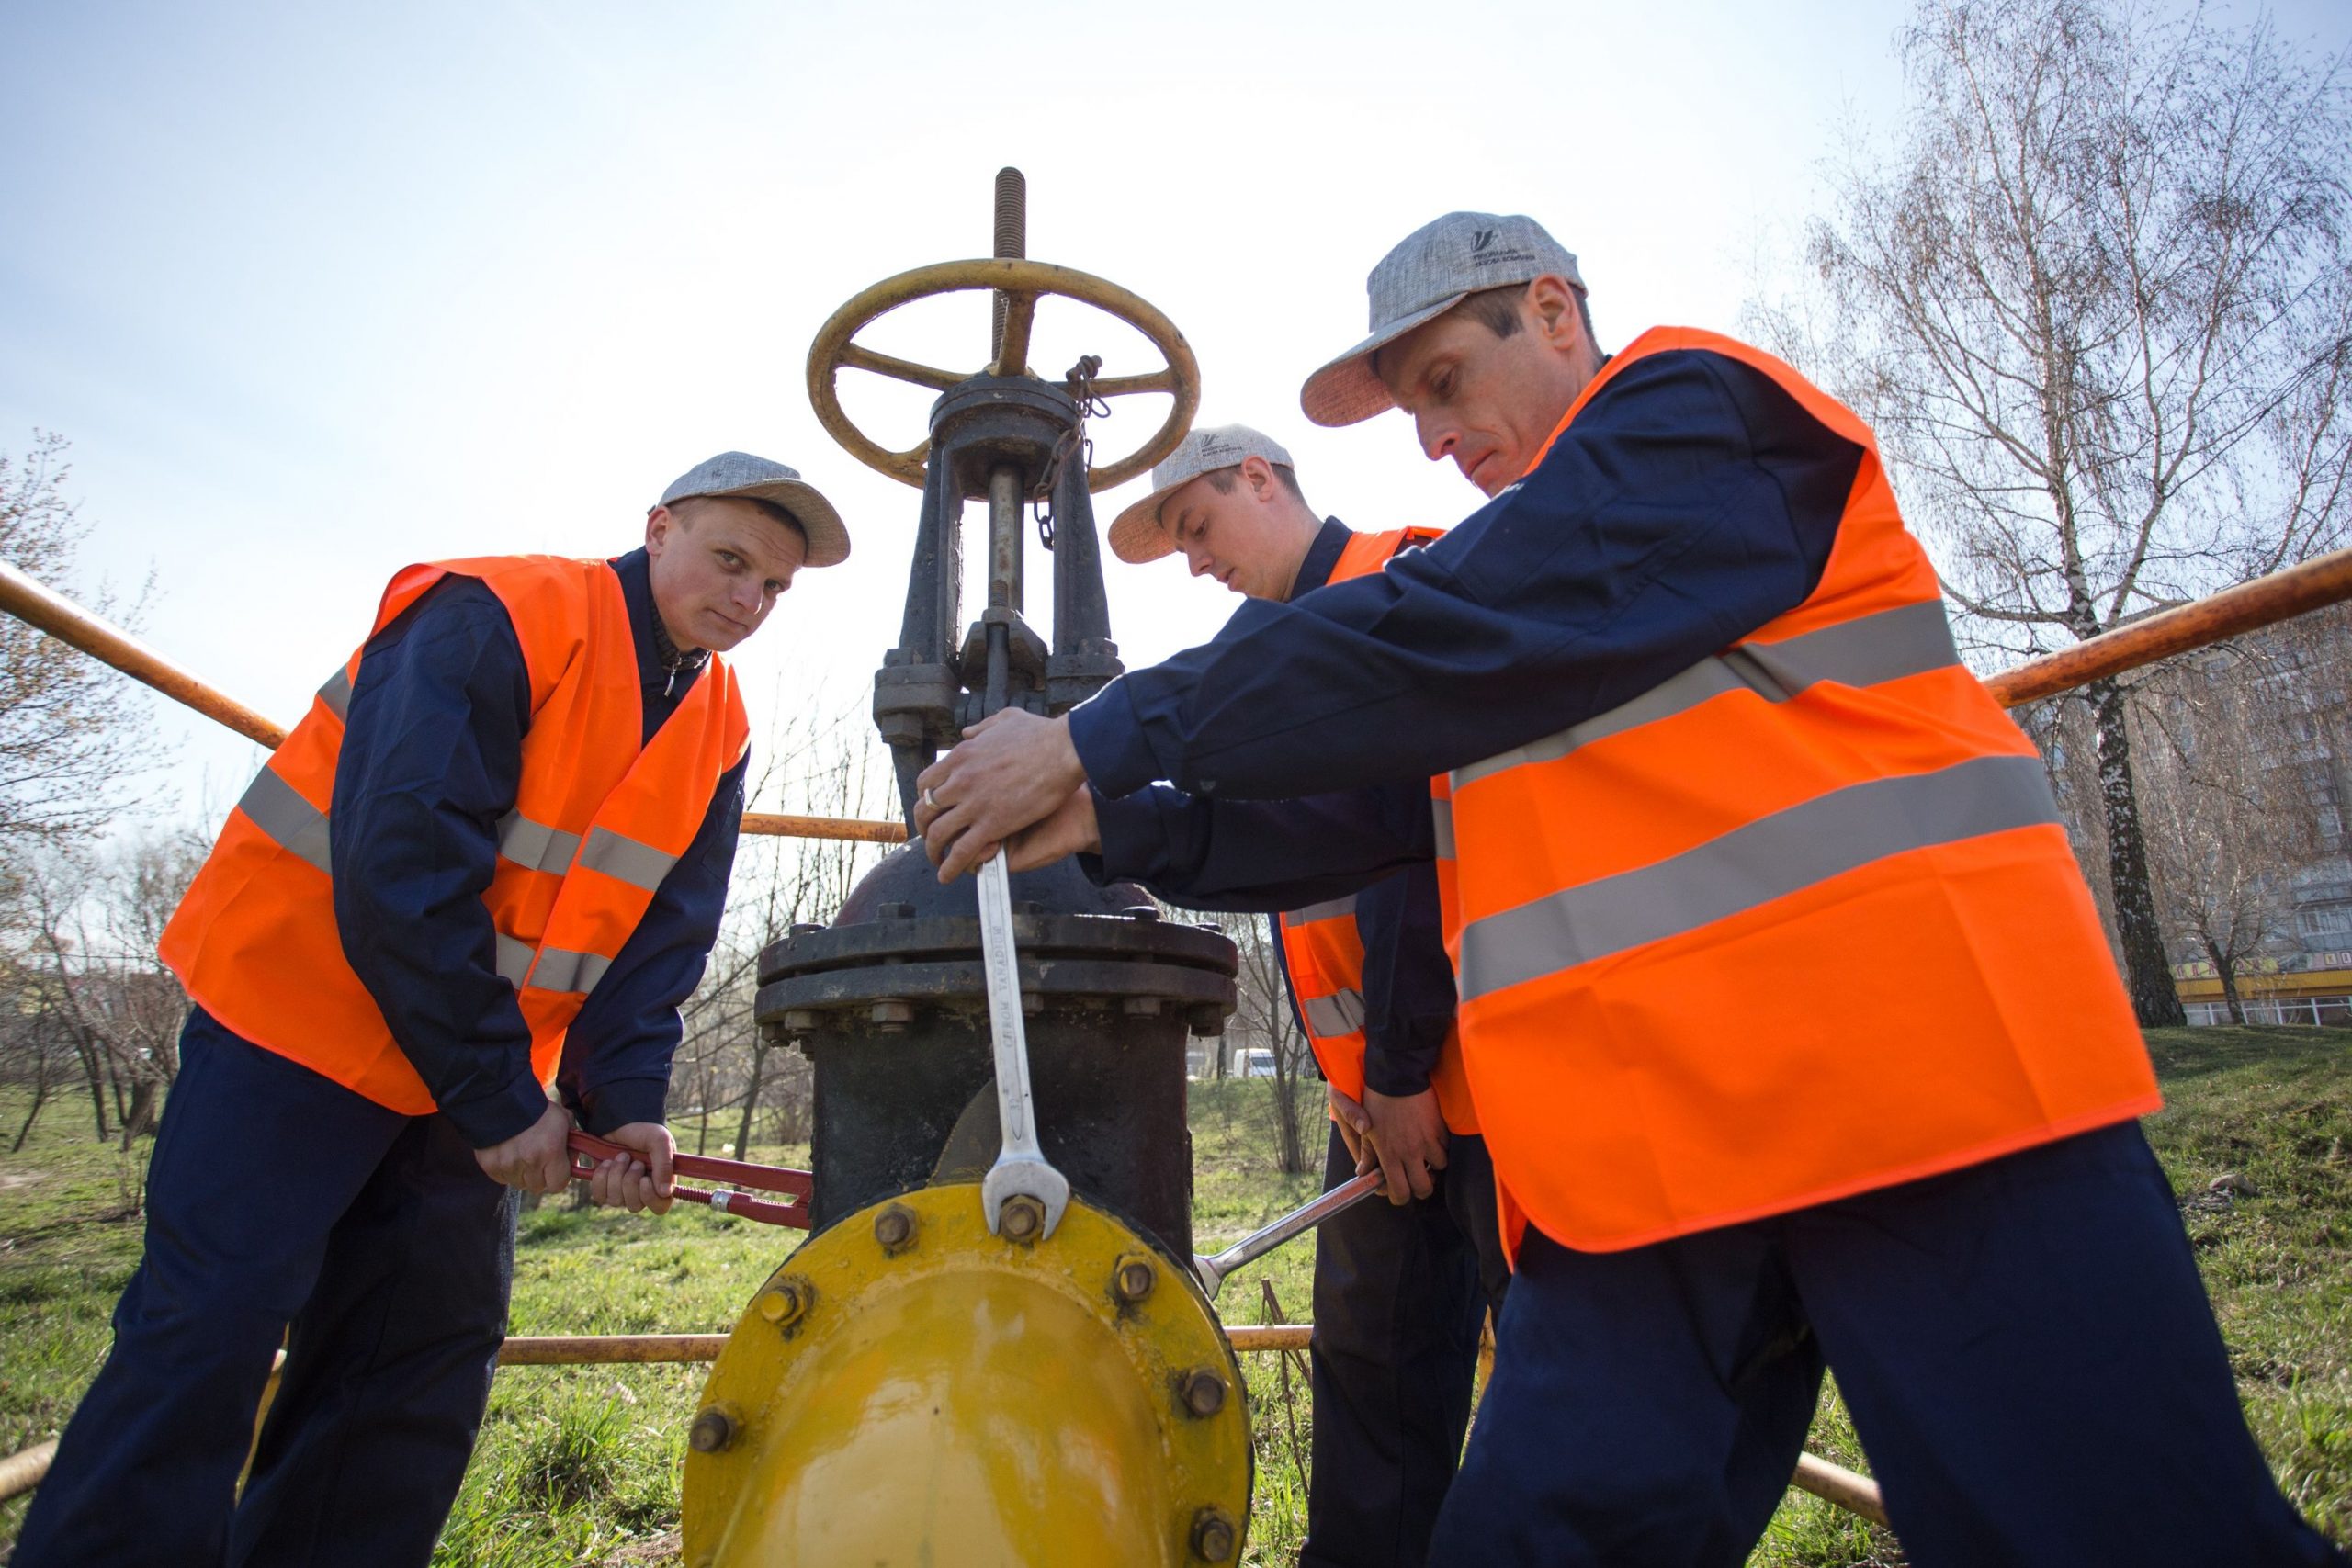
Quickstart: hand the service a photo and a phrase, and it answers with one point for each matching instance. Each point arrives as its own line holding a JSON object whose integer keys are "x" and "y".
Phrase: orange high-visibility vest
{"x": 598, "y": 821}
{"x": 1795, "y": 923}
{"x": 1320, "y": 946}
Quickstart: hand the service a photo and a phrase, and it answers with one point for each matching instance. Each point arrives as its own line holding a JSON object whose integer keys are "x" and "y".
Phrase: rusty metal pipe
{"x": 45, "y": 608}
{"x": 1835, "y": 1483}
{"x": 20, "y": 1472}
{"x": 2264, "y": 602}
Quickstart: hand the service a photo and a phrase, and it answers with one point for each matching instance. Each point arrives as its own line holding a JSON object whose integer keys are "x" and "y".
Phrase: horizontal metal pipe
{"x": 39, "y": 606}
{"x": 858, "y": 830}
{"x": 20, "y": 1472}
{"x": 1835, "y": 1483}
{"x": 2232, "y": 611}
{"x": 49, "y": 611}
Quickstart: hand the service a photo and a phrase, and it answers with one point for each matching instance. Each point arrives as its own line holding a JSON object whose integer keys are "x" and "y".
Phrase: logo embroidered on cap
{"x": 1480, "y": 240}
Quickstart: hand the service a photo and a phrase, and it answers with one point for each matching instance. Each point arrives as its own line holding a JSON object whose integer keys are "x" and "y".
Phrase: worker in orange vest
{"x": 457, "y": 909}
{"x": 1401, "y": 1288}
{"x": 1792, "y": 1029}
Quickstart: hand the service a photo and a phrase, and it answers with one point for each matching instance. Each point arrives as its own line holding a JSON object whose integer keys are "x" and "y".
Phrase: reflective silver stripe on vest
{"x": 1907, "y": 640}
{"x": 336, "y": 694}
{"x": 535, "y": 846}
{"x": 632, "y": 861}
{"x": 1332, "y": 1016}
{"x": 559, "y": 970}
{"x": 1767, "y": 859}
{"x": 1330, "y": 910}
{"x": 1442, "y": 824}
{"x": 514, "y": 959}
{"x": 277, "y": 810}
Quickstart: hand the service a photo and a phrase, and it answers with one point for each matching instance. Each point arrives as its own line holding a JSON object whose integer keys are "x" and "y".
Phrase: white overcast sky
{"x": 319, "y": 290}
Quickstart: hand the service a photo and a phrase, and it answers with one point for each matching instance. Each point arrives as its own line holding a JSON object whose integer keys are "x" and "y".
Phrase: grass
{"x": 578, "y": 1467}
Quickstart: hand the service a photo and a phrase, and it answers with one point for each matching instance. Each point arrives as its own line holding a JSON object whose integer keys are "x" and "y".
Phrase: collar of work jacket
{"x": 1314, "y": 571}
{"x": 666, "y": 673}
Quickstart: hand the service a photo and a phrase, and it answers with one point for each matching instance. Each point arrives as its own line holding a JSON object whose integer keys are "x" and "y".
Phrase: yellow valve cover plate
{"x": 963, "y": 1401}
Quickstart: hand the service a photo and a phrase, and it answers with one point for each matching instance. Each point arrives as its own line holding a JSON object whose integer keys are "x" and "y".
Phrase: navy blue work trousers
{"x": 2024, "y": 1344}
{"x": 278, "y": 1201}
{"x": 1400, "y": 1296}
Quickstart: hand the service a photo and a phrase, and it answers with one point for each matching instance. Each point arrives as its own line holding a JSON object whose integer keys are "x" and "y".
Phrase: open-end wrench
{"x": 1211, "y": 1272}
{"x": 1021, "y": 1169}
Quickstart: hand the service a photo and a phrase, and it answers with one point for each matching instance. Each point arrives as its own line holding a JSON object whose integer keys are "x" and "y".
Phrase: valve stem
{"x": 1011, "y": 240}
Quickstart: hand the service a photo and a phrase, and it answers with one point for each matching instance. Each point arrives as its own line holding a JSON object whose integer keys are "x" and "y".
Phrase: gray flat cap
{"x": 1137, "y": 536}
{"x": 1437, "y": 265}
{"x": 757, "y": 479}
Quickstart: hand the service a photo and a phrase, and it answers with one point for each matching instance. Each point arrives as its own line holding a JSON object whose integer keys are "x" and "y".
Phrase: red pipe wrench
{"x": 588, "y": 1150}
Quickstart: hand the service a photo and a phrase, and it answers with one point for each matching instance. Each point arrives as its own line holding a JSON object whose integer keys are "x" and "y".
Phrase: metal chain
{"x": 1079, "y": 384}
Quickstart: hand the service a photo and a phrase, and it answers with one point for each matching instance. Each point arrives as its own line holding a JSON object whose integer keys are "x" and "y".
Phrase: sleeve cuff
{"x": 1109, "y": 743}
{"x": 1397, "y": 1084}
{"x": 1129, "y": 829}
{"x": 624, "y": 1101}
{"x": 495, "y": 1118}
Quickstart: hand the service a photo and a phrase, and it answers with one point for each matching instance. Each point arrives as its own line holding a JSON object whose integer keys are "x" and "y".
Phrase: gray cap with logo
{"x": 1437, "y": 265}
{"x": 1137, "y": 536}
{"x": 758, "y": 479}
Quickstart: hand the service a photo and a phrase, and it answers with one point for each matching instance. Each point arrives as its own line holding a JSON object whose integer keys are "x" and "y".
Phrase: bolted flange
{"x": 891, "y": 1013}
{"x": 1133, "y": 1277}
{"x": 1213, "y": 1537}
{"x": 712, "y": 1430}
{"x": 893, "y": 1228}
{"x": 1203, "y": 1391}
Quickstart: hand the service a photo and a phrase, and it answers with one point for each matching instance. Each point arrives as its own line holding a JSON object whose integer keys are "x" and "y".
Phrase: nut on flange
{"x": 712, "y": 1430}
{"x": 787, "y": 1302}
{"x": 893, "y": 1228}
{"x": 1132, "y": 1277}
{"x": 1022, "y": 1219}
{"x": 1213, "y": 1537}
{"x": 1203, "y": 1391}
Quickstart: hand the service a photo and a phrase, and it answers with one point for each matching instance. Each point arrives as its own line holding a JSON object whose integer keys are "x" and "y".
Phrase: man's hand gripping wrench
{"x": 1021, "y": 1169}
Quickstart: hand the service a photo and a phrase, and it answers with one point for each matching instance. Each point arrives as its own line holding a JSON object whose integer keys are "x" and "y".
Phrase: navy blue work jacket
{"x": 1692, "y": 501}
{"x": 1166, "y": 840}
{"x": 431, "y": 759}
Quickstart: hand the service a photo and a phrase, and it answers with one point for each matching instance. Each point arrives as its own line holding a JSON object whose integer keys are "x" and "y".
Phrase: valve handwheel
{"x": 1022, "y": 283}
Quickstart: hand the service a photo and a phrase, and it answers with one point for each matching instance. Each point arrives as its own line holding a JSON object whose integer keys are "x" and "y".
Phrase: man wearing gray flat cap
{"x": 457, "y": 909}
{"x": 1701, "y": 748}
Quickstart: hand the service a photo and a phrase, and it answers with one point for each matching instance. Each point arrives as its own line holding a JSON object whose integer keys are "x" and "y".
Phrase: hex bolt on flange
{"x": 786, "y": 1304}
{"x": 1022, "y": 1218}
{"x": 893, "y": 1014}
{"x": 712, "y": 1431}
{"x": 1203, "y": 1391}
{"x": 1132, "y": 1278}
{"x": 893, "y": 1228}
{"x": 1213, "y": 1537}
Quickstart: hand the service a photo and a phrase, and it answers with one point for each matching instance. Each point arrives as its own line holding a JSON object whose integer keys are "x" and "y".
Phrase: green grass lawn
{"x": 578, "y": 1466}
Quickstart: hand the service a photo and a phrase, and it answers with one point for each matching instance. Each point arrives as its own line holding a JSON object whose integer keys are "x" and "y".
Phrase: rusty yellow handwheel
{"x": 1023, "y": 283}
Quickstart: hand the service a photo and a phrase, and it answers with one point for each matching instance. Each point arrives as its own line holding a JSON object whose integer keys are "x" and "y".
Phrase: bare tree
{"x": 825, "y": 765}
{"x": 72, "y": 743}
{"x": 2223, "y": 816}
{"x": 2095, "y": 302}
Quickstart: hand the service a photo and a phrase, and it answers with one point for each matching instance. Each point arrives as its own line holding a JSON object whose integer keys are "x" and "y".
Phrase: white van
{"x": 1254, "y": 1061}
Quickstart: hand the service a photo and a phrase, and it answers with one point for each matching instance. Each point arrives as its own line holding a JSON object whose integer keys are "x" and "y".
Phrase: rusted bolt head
{"x": 799, "y": 1020}
{"x": 1207, "y": 1020}
{"x": 1133, "y": 1278}
{"x": 783, "y": 1305}
{"x": 1203, "y": 1391}
{"x": 1021, "y": 1219}
{"x": 893, "y": 1227}
{"x": 1141, "y": 1007}
{"x": 1031, "y": 1003}
{"x": 1213, "y": 1537}
{"x": 892, "y": 1014}
{"x": 712, "y": 1430}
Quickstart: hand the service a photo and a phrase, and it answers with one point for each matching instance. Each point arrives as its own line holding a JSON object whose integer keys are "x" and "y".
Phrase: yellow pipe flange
{"x": 908, "y": 1389}
{"x": 1023, "y": 283}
